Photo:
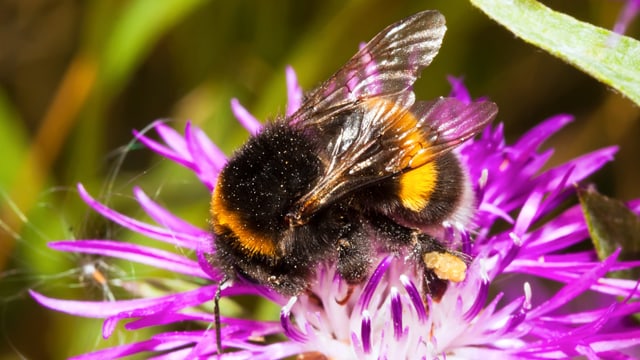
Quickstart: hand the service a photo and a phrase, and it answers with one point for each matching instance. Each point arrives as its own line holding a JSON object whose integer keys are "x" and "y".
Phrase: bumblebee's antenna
{"x": 216, "y": 312}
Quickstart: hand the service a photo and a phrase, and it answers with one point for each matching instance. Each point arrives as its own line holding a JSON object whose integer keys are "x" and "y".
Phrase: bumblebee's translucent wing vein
{"x": 444, "y": 124}
{"x": 390, "y": 63}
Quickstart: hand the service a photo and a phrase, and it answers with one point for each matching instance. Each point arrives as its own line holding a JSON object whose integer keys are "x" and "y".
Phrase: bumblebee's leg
{"x": 354, "y": 257}
{"x": 439, "y": 265}
{"x": 433, "y": 286}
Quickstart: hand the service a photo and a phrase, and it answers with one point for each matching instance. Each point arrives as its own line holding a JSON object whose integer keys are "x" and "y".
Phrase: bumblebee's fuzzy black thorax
{"x": 265, "y": 177}
{"x": 253, "y": 194}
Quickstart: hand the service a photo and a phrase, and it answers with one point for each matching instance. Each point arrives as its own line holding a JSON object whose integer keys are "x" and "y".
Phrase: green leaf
{"x": 612, "y": 225}
{"x": 608, "y": 57}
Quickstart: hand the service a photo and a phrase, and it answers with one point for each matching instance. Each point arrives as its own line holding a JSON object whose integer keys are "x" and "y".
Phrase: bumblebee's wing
{"x": 441, "y": 125}
{"x": 380, "y": 139}
{"x": 388, "y": 64}
{"x": 385, "y": 138}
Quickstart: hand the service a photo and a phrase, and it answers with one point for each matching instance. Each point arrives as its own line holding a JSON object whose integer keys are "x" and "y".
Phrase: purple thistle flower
{"x": 501, "y": 310}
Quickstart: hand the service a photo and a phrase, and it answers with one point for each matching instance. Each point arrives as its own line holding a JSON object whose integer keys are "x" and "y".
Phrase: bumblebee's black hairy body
{"x": 264, "y": 179}
{"x": 445, "y": 199}
{"x": 268, "y": 173}
{"x": 260, "y": 184}
{"x": 360, "y": 168}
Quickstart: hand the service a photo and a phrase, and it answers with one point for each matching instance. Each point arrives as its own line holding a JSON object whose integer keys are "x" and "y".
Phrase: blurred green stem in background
{"x": 113, "y": 47}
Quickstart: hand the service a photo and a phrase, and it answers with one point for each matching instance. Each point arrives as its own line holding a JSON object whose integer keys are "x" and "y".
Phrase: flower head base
{"x": 388, "y": 317}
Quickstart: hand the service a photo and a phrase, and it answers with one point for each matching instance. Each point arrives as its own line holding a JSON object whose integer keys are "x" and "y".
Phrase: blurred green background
{"x": 77, "y": 76}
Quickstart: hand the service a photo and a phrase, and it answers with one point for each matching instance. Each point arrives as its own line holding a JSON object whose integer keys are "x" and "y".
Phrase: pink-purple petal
{"x": 208, "y": 157}
{"x": 630, "y": 11}
{"x": 372, "y": 284}
{"x": 365, "y": 332}
{"x": 168, "y": 305}
{"x": 396, "y": 313}
{"x": 528, "y": 213}
{"x": 162, "y": 319}
{"x": 580, "y": 168}
{"x": 294, "y": 91}
{"x": 209, "y": 150}
{"x": 164, "y": 151}
{"x": 174, "y": 140}
{"x": 570, "y": 291}
{"x": 245, "y": 118}
{"x": 155, "y": 232}
{"x": 288, "y": 328}
{"x": 137, "y": 253}
{"x": 415, "y": 297}
{"x": 458, "y": 89}
{"x": 165, "y": 218}
{"x": 535, "y": 137}
{"x": 94, "y": 309}
{"x": 131, "y": 349}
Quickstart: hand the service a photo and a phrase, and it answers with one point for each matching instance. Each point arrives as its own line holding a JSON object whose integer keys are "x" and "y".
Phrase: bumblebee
{"x": 360, "y": 168}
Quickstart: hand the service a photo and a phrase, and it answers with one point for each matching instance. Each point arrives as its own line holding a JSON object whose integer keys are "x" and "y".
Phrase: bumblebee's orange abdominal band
{"x": 223, "y": 218}
{"x": 416, "y": 185}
